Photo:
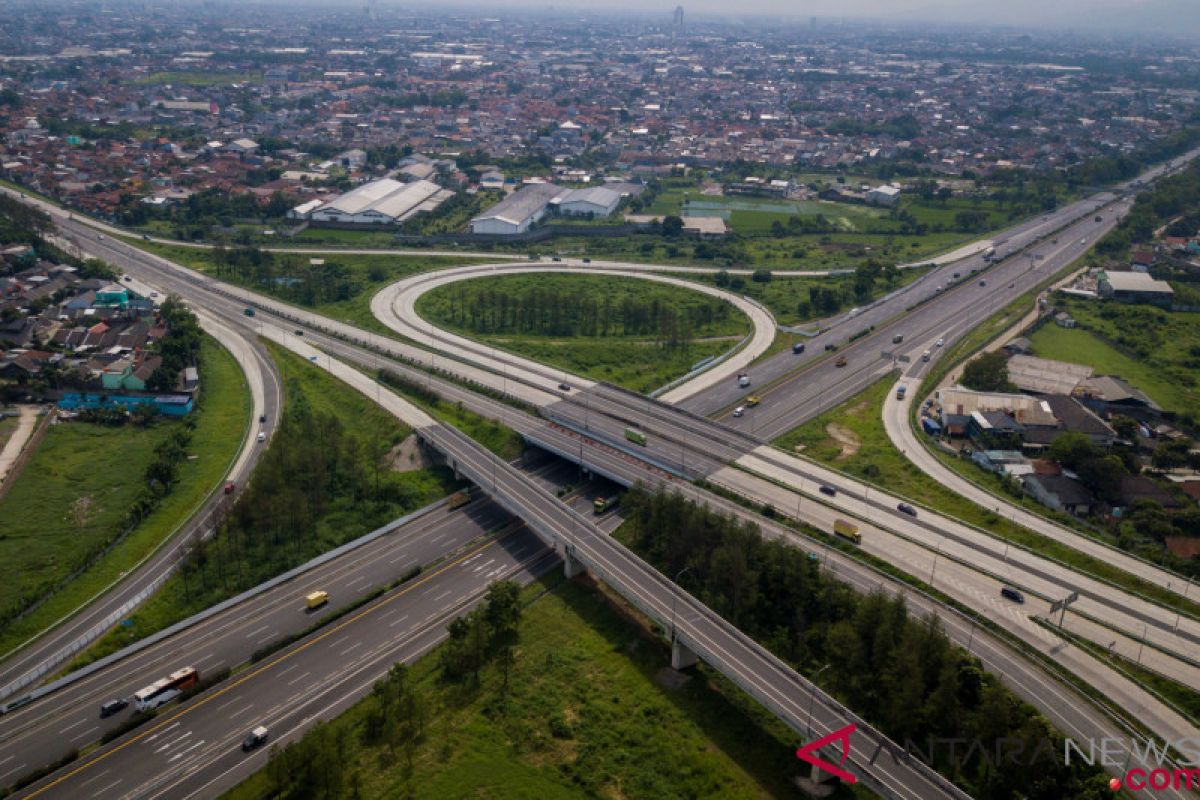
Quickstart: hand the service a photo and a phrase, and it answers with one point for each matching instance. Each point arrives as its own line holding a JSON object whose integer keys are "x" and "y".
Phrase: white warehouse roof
{"x": 383, "y": 198}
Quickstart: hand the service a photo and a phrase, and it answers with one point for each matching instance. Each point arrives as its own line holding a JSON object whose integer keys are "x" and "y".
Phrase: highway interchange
{"x": 695, "y": 457}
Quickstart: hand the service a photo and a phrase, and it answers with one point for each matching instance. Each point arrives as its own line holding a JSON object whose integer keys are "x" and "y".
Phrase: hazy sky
{"x": 1177, "y": 17}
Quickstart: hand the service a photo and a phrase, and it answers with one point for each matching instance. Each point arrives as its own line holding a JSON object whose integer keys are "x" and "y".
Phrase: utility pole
{"x": 812, "y": 699}
{"x": 674, "y": 596}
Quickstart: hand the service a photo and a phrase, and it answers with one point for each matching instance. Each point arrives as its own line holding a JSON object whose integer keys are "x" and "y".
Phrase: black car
{"x": 829, "y": 348}
{"x": 905, "y": 508}
{"x": 113, "y": 707}
{"x": 262, "y": 418}
{"x": 827, "y": 489}
{"x": 798, "y": 348}
{"x": 299, "y": 332}
{"x": 587, "y": 261}
{"x": 255, "y": 738}
{"x": 1012, "y": 594}
{"x": 566, "y": 387}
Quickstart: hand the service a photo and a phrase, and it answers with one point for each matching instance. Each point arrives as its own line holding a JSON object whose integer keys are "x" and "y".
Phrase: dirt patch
{"x": 670, "y": 679}
{"x": 409, "y": 455}
{"x": 83, "y": 510}
{"x": 845, "y": 437}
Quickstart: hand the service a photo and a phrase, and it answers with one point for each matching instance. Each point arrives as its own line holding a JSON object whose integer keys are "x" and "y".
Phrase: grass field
{"x": 585, "y": 716}
{"x": 1157, "y": 351}
{"x": 180, "y": 78}
{"x": 8, "y": 425}
{"x": 635, "y": 361}
{"x": 877, "y": 460}
{"x": 82, "y": 480}
{"x": 368, "y": 274}
{"x": 324, "y": 394}
{"x": 788, "y": 298}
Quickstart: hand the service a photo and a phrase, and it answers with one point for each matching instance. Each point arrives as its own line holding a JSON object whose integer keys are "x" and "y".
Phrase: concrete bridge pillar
{"x": 681, "y": 656}
{"x": 818, "y": 783}
{"x": 571, "y": 565}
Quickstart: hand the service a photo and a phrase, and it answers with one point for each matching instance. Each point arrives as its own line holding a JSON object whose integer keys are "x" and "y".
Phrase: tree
{"x": 1072, "y": 449}
{"x": 1171, "y": 454}
{"x": 672, "y": 225}
{"x": 1103, "y": 476}
{"x": 988, "y": 373}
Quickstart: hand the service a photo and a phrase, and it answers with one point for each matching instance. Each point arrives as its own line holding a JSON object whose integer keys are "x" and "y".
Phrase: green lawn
{"x": 788, "y": 299}
{"x": 350, "y": 513}
{"x": 878, "y": 461}
{"x": 585, "y": 716}
{"x": 1157, "y": 351}
{"x": 8, "y": 425}
{"x": 366, "y": 275}
{"x": 81, "y": 482}
{"x": 486, "y": 309}
{"x": 181, "y": 78}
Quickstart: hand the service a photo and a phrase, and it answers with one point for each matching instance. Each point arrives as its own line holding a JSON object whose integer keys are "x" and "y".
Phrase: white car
{"x": 941, "y": 342}
{"x": 737, "y": 412}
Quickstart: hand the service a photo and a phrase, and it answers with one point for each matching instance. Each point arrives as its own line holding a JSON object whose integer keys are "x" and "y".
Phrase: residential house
{"x": 1060, "y": 492}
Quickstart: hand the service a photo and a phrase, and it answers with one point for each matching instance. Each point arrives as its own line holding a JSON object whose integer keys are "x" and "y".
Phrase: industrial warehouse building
{"x": 519, "y": 211}
{"x": 595, "y": 201}
{"x": 1135, "y": 287}
{"x": 383, "y": 202}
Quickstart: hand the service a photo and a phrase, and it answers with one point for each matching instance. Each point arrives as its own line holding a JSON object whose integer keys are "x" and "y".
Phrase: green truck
{"x": 602, "y": 504}
{"x": 635, "y": 436}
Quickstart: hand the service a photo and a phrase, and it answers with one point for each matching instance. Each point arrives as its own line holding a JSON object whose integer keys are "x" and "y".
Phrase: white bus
{"x": 166, "y": 689}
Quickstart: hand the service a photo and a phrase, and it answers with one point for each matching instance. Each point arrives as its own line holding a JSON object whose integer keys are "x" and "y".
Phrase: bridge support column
{"x": 571, "y": 565}
{"x": 681, "y": 657}
{"x": 818, "y": 783}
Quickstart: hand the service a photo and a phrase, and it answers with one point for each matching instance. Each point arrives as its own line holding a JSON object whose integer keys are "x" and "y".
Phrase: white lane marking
{"x": 72, "y": 725}
{"x": 357, "y": 580}
{"x": 228, "y": 703}
{"x": 3, "y": 760}
{"x": 150, "y": 739}
{"x": 339, "y": 641}
{"x": 267, "y": 638}
{"x": 257, "y": 631}
{"x": 484, "y": 565}
{"x": 351, "y": 647}
{"x": 241, "y": 710}
{"x": 106, "y": 789}
{"x": 172, "y": 743}
{"x": 86, "y": 733}
{"x": 398, "y": 557}
{"x": 442, "y": 595}
{"x": 17, "y": 768}
{"x": 299, "y": 678}
{"x": 208, "y": 657}
{"x": 398, "y": 621}
{"x": 182, "y": 753}
{"x": 94, "y": 778}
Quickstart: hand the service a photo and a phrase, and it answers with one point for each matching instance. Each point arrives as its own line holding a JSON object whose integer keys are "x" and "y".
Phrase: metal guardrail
{"x": 99, "y": 628}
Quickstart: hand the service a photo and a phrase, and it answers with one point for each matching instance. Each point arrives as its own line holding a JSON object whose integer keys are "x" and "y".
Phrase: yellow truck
{"x": 847, "y": 530}
{"x": 316, "y": 599}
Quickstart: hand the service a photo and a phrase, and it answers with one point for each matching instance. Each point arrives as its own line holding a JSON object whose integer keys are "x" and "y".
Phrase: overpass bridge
{"x": 696, "y": 631}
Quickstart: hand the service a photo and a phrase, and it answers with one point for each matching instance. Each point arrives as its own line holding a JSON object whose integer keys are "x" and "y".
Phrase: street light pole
{"x": 933, "y": 569}
{"x": 674, "y": 596}
{"x": 812, "y": 699}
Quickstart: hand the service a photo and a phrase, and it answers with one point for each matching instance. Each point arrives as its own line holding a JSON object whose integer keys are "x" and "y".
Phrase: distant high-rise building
{"x": 372, "y": 14}
{"x": 678, "y": 24}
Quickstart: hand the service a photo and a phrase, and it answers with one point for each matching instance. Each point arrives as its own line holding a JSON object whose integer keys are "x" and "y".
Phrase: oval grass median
{"x": 634, "y": 333}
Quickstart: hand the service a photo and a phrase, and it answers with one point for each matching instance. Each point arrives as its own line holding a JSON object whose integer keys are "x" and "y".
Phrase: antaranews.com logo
{"x": 1153, "y": 769}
